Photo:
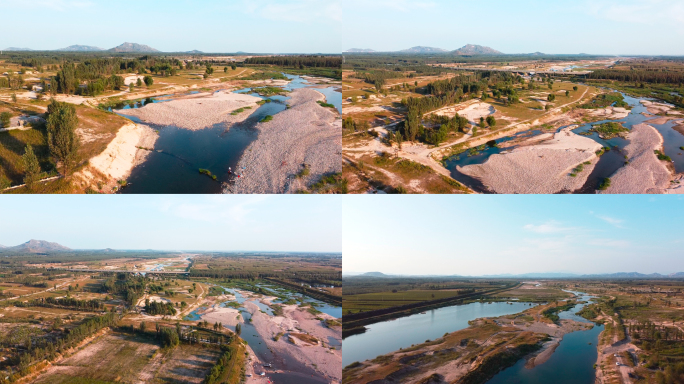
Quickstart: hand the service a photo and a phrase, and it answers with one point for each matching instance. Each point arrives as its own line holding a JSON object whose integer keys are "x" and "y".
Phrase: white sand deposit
{"x": 133, "y": 79}
{"x": 199, "y": 111}
{"x": 297, "y": 320}
{"x": 611, "y": 112}
{"x": 119, "y": 157}
{"x": 472, "y": 112}
{"x": 226, "y": 316}
{"x": 304, "y": 134}
{"x": 656, "y": 108}
{"x": 644, "y": 173}
{"x": 540, "y": 168}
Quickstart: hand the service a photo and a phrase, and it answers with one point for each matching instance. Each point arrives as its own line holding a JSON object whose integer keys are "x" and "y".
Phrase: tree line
{"x": 39, "y": 349}
{"x": 639, "y": 76}
{"x": 298, "y": 61}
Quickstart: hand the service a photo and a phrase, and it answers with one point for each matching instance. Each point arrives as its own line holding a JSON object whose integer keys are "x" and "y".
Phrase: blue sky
{"x": 478, "y": 235}
{"x": 649, "y": 27}
{"x": 165, "y": 222}
{"x": 263, "y": 26}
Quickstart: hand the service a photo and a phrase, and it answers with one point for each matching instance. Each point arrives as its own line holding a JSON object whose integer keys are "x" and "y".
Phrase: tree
{"x": 567, "y": 93}
{"x": 575, "y": 88}
{"x": 4, "y": 183}
{"x": 225, "y": 69}
{"x": 130, "y": 87}
{"x": 139, "y": 82}
{"x": 148, "y": 80}
{"x": 238, "y": 329}
{"x": 5, "y": 119}
{"x": 31, "y": 167}
{"x": 233, "y": 67}
{"x": 491, "y": 121}
{"x": 62, "y": 138}
{"x": 551, "y": 97}
{"x": 14, "y": 97}
{"x": 143, "y": 326}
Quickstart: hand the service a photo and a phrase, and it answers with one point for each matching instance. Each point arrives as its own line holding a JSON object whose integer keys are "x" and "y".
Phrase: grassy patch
{"x": 609, "y": 130}
{"x": 266, "y": 119}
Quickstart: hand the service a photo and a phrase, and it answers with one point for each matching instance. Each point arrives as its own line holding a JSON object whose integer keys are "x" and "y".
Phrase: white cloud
{"x": 300, "y": 11}
{"x": 655, "y": 12}
{"x": 229, "y": 211}
{"x": 610, "y": 243}
{"x": 550, "y": 226}
{"x": 608, "y": 219}
{"x": 56, "y": 5}
{"x": 395, "y": 5}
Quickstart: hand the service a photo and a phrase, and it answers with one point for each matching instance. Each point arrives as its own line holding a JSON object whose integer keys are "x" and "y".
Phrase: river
{"x": 388, "y": 336}
{"x": 571, "y": 363}
{"x": 292, "y": 371}
{"x": 173, "y": 166}
{"x": 607, "y": 165}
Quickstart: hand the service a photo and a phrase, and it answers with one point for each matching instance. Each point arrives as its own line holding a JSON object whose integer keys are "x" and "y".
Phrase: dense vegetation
{"x": 155, "y": 308}
{"x": 130, "y": 288}
{"x": 298, "y": 61}
{"x": 36, "y": 350}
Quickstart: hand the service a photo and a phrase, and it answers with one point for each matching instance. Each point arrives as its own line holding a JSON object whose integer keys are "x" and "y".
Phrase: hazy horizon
{"x": 228, "y": 223}
{"x": 517, "y": 234}
{"x": 636, "y": 27}
{"x": 213, "y": 26}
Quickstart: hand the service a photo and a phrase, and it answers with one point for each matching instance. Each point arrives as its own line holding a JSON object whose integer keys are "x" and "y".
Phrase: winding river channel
{"x": 387, "y": 336}
{"x": 571, "y": 363}
{"x": 607, "y": 165}
{"x": 173, "y": 166}
{"x": 291, "y": 371}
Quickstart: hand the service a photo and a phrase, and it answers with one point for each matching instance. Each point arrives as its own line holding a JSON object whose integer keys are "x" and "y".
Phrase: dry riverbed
{"x": 198, "y": 111}
{"x": 305, "y": 135}
{"x": 542, "y": 167}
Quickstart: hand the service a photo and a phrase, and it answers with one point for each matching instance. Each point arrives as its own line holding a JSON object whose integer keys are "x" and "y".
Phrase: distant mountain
{"x": 550, "y": 275}
{"x": 420, "y": 49}
{"x": 38, "y": 246}
{"x": 132, "y": 47}
{"x": 373, "y": 274}
{"x": 194, "y": 52}
{"x": 80, "y": 48}
{"x": 537, "y": 54}
{"x": 475, "y": 50}
{"x": 17, "y": 49}
{"x": 359, "y": 50}
{"x": 2, "y": 246}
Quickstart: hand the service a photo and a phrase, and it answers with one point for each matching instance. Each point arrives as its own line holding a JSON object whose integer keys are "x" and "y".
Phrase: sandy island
{"x": 539, "y": 168}
{"x": 198, "y": 111}
{"x": 306, "y": 133}
{"x": 644, "y": 173}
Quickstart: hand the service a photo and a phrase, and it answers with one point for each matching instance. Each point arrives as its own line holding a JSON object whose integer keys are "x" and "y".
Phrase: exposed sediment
{"x": 306, "y": 133}
{"x": 198, "y": 111}
{"x": 644, "y": 173}
{"x": 544, "y": 167}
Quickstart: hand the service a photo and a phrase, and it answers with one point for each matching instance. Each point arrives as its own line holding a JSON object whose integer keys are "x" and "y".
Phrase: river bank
{"x": 295, "y": 149}
{"x": 129, "y": 148}
{"x": 543, "y": 167}
{"x": 198, "y": 111}
{"x": 644, "y": 172}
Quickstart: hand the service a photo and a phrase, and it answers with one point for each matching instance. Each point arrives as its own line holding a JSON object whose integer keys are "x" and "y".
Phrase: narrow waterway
{"x": 178, "y": 154}
{"x": 571, "y": 363}
{"x": 291, "y": 371}
{"x": 607, "y": 165}
{"x": 388, "y": 336}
